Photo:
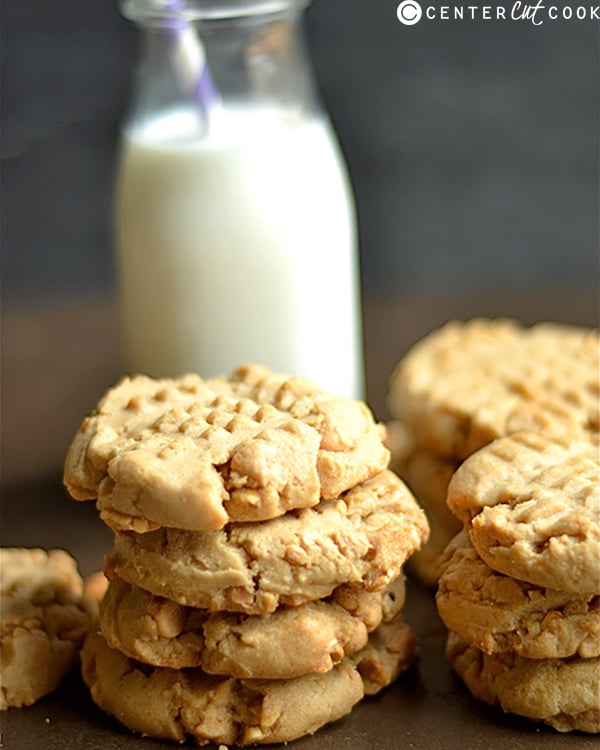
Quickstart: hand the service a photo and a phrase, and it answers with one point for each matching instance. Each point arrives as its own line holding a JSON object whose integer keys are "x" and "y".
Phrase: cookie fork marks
{"x": 196, "y": 454}
{"x": 469, "y": 383}
{"x": 531, "y": 503}
{"x": 362, "y": 538}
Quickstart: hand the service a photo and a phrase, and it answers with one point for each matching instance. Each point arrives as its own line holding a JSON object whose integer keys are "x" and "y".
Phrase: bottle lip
{"x": 156, "y": 11}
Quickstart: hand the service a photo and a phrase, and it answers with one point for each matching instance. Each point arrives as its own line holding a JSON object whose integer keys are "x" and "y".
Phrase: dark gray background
{"x": 473, "y": 145}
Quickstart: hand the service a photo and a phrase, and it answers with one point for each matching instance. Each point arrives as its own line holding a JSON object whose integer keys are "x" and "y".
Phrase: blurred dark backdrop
{"x": 473, "y": 145}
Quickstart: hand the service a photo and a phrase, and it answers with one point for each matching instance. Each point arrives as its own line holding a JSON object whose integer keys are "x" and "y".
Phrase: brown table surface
{"x": 58, "y": 358}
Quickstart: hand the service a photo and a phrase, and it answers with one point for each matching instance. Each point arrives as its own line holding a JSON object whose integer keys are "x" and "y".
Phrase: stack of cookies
{"x": 469, "y": 383}
{"x": 520, "y": 584}
{"x": 256, "y": 582}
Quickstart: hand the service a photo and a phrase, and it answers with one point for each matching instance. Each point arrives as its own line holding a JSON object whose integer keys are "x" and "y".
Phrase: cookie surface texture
{"x": 390, "y": 650}
{"x": 196, "y": 454}
{"x": 291, "y": 642}
{"x": 44, "y": 619}
{"x": 563, "y": 693}
{"x": 361, "y": 538}
{"x": 468, "y": 383}
{"x": 531, "y": 504}
{"x": 173, "y": 704}
{"x": 496, "y": 613}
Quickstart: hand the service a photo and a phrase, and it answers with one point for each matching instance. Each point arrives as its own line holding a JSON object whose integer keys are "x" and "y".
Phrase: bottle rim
{"x": 156, "y": 11}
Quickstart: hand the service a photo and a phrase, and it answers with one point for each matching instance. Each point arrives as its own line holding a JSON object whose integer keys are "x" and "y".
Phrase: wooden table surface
{"x": 57, "y": 360}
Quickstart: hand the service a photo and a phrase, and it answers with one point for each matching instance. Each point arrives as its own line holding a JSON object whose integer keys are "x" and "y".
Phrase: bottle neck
{"x": 204, "y": 57}
{"x": 161, "y": 12}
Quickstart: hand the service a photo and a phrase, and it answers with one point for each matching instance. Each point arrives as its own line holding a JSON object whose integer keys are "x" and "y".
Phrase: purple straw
{"x": 188, "y": 46}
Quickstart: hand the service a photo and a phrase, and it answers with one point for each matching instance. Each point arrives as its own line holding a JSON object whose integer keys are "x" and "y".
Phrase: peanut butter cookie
{"x": 468, "y": 383}
{"x": 496, "y": 614}
{"x": 196, "y": 454}
{"x": 563, "y": 693}
{"x": 531, "y": 504}
{"x": 44, "y": 619}
{"x": 362, "y": 538}
{"x": 174, "y": 704}
{"x": 291, "y": 642}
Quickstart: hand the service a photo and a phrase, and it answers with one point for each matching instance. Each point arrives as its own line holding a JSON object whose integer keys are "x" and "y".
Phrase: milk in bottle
{"x": 235, "y": 224}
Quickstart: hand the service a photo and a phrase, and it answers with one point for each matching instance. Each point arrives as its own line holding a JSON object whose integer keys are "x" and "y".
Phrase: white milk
{"x": 239, "y": 247}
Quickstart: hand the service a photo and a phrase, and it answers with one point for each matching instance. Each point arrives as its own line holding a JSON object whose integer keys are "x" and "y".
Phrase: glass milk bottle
{"x": 235, "y": 224}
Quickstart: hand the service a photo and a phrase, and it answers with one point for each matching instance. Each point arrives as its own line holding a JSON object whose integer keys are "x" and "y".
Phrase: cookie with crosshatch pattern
{"x": 468, "y": 383}
{"x": 531, "y": 505}
{"x": 197, "y": 454}
{"x": 361, "y": 538}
